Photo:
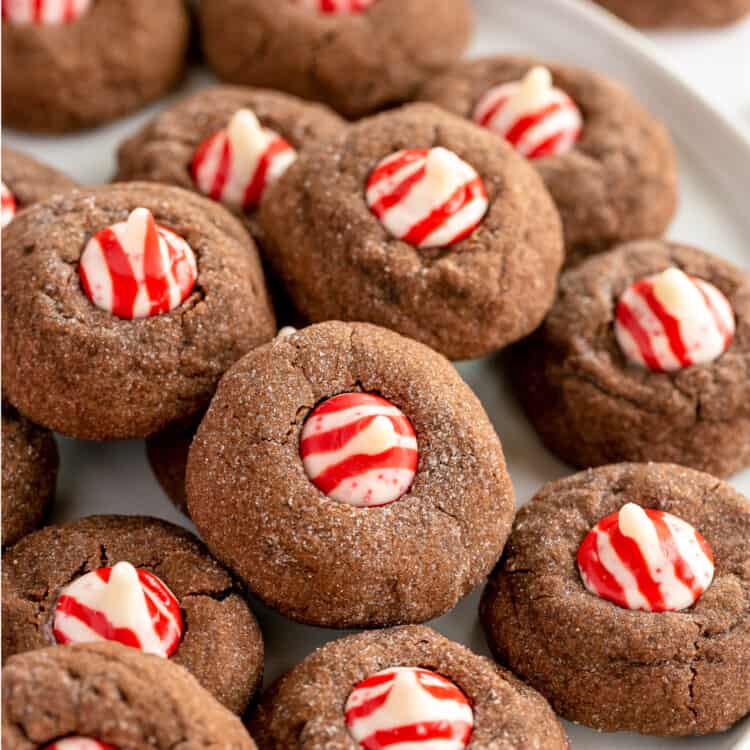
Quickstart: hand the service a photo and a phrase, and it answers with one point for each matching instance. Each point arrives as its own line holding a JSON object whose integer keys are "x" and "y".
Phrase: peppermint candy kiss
{"x": 335, "y": 7}
{"x": 408, "y": 707}
{"x": 79, "y": 743}
{"x": 44, "y": 11}
{"x": 536, "y": 118}
{"x": 8, "y": 205}
{"x": 124, "y": 604}
{"x": 359, "y": 449}
{"x": 427, "y": 197}
{"x": 235, "y": 165}
{"x": 671, "y": 320}
{"x": 646, "y": 560}
{"x": 137, "y": 268}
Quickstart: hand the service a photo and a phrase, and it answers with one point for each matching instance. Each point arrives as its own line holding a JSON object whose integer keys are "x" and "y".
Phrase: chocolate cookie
{"x": 407, "y": 683}
{"x": 665, "y": 670}
{"x": 421, "y": 222}
{"x": 27, "y": 181}
{"x": 92, "y": 62}
{"x": 75, "y": 582}
{"x": 678, "y": 12}
{"x": 116, "y": 697}
{"x": 124, "y": 305}
{"x": 177, "y": 146}
{"x": 355, "y": 55}
{"x": 167, "y": 453}
{"x": 307, "y": 435}
{"x": 29, "y": 474}
{"x": 607, "y": 162}
{"x": 625, "y": 370}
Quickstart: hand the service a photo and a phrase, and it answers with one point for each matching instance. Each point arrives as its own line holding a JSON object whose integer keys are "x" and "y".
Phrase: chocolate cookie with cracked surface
{"x": 198, "y": 145}
{"x": 423, "y": 223}
{"x": 669, "y": 672}
{"x": 75, "y": 582}
{"x": 124, "y": 305}
{"x": 643, "y": 357}
{"x": 115, "y": 696}
{"x": 350, "y": 478}
{"x": 98, "y": 62}
{"x": 402, "y": 683}
{"x": 27, "y": 181}
{"x": 608, "y": 163}
{"x": 678, "y": 12}
{"x": 29, "y": 474}
{"x": 357, "y": 57}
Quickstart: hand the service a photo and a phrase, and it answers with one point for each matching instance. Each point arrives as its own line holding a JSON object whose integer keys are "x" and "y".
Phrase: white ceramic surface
{"x": 714, "y": 176}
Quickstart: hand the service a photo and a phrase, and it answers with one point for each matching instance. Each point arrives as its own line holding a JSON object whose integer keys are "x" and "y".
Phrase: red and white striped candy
{"x": 536, "y": 118}
{"x": 670, "y": 320}
{"x": 79, "y": 743}
{"x": 408, "y": 708}
{"x": 427, "y": 197}
{"x": 646, "y": 559}
{"x": 8, "y": 205}
{"x": 359, "y": 449}
{"x": 124, "y": 604}
{"x": 137, "y": 268}
{"x": 235, "y": 165}
{"x": 44, "y": 11}
{"x": 335, "y": 7}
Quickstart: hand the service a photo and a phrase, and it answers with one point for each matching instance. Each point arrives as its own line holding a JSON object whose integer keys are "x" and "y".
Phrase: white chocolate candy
{"x": 646, "y": 560}
{"x": 122, "y": 604}
{"x": 536, "y": 118}
{"x": 236, "y": 165}
{"x": 136, "y": 268}
{"x": 8, "y": 205}
{"x": 79, "y": 743}
{"x": 427, "y": 197}
{"x": 44, "y": 11}
{"x": 409, "y": 707}
{"x": 286, "y": 332}
{"x": 359, "y": 449}
{"x": 670, "y": 320}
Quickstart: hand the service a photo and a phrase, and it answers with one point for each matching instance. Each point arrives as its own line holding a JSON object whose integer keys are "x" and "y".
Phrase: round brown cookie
{"x": 305, "y": 708}
{"x": 591, "y": 406}
{"x": 164, "y": 149}
{"x": 619, "y": 181}
{"x": 83, "y": 371}
{"x": 29, "y": 474}
{"x": 325, "y": 562}
{"x": 466, "y": 299}
{"x": 30, "y": 181}
{"x": 167, "y": 453}
{"x": 357, "y": 63}
{"x": 678, "y": 12}
{"x": 222, "y": 645}
{"x": 113, "y": 694}
{"x": 667, "y": 673}
{"x": 118, "y": 56}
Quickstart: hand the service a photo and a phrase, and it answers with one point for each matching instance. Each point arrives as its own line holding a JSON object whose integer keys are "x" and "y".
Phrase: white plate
{"x": 714, "y": 159}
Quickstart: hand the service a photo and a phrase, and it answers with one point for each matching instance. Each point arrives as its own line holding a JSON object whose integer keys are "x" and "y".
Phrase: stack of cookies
{"x": 271, "y": 293}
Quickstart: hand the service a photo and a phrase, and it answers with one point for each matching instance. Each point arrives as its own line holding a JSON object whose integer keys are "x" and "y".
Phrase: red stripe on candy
{"x": 669, "y": 323}
{"x": 393, "y": 458}
{"x": 419, "y": 732}
{"x": 257, "y": 185}
{"x": 525, "y": 123}
{"x": 643, "y": 341}
{"x": 440, "y": 215}
{"x": 124, "y": 285}
{"x": 95, "y": 620}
